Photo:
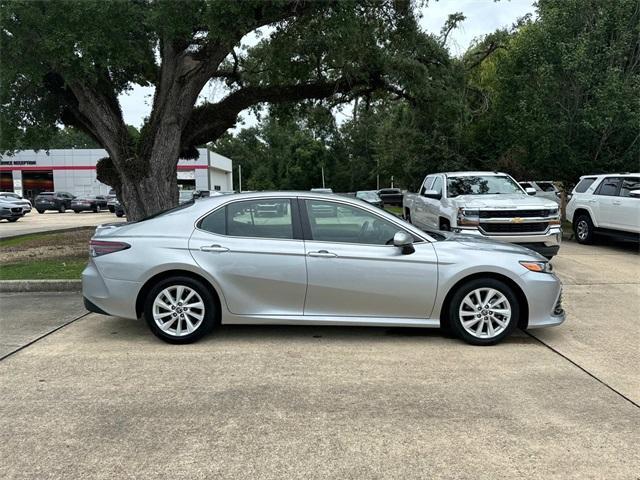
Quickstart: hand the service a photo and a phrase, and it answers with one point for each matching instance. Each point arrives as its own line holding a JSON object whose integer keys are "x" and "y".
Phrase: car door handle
{"x": 322, "y": 253}
{"x": 214, "y": 248}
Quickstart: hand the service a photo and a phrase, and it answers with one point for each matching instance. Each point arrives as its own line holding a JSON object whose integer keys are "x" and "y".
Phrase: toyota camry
{"x": 304, "y": 258}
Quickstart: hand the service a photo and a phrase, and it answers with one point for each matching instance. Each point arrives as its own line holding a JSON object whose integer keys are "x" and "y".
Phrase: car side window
{"x": 584, "y": 184}
{"x": 426, "y": 185}
{"x": 264, "y": 218}
{"x": 437, "y": 185}
{"x": 608, "y": 187}
{"x": 335, "y": 222}
{"x": 629, "y": 184}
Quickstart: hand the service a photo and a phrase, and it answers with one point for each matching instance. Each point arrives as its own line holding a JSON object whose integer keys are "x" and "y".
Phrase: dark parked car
{"x": 391, "y": 196}
{"x": 59, "y": 201}
{"x": 118, "y": 209}
{"x": 371, "y": 197}
{"x": 94, "y": 203}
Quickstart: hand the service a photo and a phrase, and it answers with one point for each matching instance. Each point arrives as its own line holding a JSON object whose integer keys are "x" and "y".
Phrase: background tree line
{"x": 552, "y": 98}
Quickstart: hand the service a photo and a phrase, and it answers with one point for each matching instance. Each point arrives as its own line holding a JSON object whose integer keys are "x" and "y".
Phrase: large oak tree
{"x": 66, "y": 62}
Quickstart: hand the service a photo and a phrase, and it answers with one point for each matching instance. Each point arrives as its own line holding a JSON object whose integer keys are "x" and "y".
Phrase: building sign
{"x": 16, "y": 162}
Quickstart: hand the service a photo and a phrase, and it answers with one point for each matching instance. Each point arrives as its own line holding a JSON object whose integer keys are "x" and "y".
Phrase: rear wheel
{"x": 180, "y": 310}
{"x": 76, "y": 211}
{"x": 119, "y": 214}
{"x": 583, "y": 228}
{"x": 15, "y": 219}
{"x": 40, "y": 211}
{"x": 444, "y": 225}
{"x": 484, "y": 311}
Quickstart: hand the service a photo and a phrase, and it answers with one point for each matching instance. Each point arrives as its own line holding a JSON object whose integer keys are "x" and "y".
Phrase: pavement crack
{"x": 557, "y": 352}
{"x": 43, "y": 336}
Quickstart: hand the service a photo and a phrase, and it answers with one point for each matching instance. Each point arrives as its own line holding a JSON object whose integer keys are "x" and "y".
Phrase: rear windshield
{"x": 182, "y": 206}
{"x": 584, "y": 184}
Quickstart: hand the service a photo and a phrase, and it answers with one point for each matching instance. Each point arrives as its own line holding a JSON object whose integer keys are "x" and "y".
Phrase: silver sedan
{"x": 312, "y": 259}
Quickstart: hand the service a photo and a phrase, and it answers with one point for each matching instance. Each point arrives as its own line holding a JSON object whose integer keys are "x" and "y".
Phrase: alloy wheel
{"x": 485, "y": 313}
{"x": 178, "y": 310}
{"x": 582, "y": 230}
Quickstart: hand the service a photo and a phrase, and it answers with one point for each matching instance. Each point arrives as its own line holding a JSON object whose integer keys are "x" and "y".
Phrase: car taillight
{"x": 97, "y": 248}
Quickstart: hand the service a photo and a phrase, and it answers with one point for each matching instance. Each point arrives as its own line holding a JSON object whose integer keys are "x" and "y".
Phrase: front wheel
{"x": 484, "y": 311}
{"x": 15, "y": 219}
{"x": 583, "y": 229}
{"x": 180, "y": 310}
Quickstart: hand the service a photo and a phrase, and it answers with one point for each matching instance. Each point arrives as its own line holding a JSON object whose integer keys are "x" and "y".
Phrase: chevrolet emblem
{"x": 516, "y": 220}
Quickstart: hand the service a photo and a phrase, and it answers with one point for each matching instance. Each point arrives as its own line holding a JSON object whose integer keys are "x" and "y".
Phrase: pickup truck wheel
{"x": 583, "y": 229}
{"x": 483, "y": 311}
{"x": 407, "y": 215}
{"x": 444, "y": 225}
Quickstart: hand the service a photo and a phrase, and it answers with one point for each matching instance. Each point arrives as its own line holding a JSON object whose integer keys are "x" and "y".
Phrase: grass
{"x": 394, "y": 209}
{"x": 58, "y": 268}
{"x": 46, "y": 238}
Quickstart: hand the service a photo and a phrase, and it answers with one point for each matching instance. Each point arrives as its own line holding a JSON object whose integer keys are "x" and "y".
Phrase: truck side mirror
{"x": 432, "y": 194}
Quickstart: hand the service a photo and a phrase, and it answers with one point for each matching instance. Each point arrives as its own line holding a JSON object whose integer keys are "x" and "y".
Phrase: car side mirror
{"x": 432, "y": 194}
{"x": 530, "y": 191}
{"x": 634, "y": 193}
{"x": 404, "y": 241}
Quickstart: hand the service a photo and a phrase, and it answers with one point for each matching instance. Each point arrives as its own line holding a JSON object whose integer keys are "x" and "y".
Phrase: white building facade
{"x": 74, "y": 171}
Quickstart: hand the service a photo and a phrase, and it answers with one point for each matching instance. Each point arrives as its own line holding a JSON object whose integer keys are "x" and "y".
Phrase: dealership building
{"x": 74, "y": 171}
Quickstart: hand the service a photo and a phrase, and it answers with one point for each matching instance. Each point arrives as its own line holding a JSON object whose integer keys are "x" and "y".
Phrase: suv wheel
{"x": 583, "y": 228}
{"x": 484, "y": 311}
{"x": 40, "y": 211}
{"x": 180, "y": 310}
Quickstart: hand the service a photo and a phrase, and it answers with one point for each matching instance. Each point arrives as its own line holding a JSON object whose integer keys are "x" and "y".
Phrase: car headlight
{"x": 541, "y": 267}
{"x": 468, "y": 216}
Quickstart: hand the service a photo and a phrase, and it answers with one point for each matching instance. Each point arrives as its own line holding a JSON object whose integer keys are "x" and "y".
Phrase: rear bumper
{"x": 107, "y": 296}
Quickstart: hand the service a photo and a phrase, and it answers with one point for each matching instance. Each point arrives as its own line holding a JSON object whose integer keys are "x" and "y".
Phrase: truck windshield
{"x": 481, "y": 185}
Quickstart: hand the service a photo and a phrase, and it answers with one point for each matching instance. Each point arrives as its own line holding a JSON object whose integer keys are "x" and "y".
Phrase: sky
{"x": 483, "y": 17}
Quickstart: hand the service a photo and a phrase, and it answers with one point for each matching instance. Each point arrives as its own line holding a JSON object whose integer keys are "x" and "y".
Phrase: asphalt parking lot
{"x": 102, "y": 398}
{"x": 35, "y": 222}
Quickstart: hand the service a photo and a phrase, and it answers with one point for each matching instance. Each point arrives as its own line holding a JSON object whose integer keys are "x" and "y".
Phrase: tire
{"x": 583, "y": 229}
{"x": 40, "y": 211}
{"x": 480, "y": 332}
{"x": 444, "y": 225}
{"x": 62, "y": 209}
{"x": 119, "y": 214}
{"x": 112, "y": 209}
{"x": 168, "y": 289}
{"x": 13, "y": 219}
{"x": 76, "y": 211}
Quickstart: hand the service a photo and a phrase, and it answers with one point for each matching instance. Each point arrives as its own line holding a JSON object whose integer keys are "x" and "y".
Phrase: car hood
{"x": 492, "y": 246}
{"x": 506, "y": 201}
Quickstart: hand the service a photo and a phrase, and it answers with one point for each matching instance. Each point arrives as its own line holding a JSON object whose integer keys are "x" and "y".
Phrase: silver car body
{"x": 297, "y": 281}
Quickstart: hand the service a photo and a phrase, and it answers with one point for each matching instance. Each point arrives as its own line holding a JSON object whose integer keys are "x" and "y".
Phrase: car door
{"x": 605, "y": 203}
{"x": 628, "y": 218}
{"x": 353, "y": 271}
{"x": 255, "y": 252}
{"x": 420, "y": 215}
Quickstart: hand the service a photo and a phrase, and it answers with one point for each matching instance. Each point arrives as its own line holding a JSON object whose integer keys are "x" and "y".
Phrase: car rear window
{"x": 584, "y": 184}
{"x": 629, "y": 184}
{"x": 609, "y": 187}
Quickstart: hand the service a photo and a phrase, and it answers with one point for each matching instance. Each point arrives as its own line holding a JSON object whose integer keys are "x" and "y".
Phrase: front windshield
{"x": 481, "y": 185}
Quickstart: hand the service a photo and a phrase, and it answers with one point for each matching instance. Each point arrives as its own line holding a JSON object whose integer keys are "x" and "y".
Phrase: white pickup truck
{"x": 486, "y": 204}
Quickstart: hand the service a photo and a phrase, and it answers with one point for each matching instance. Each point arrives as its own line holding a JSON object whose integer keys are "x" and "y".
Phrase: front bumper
{"x": 548, "y": 241}
{"x": 544, "y": 296}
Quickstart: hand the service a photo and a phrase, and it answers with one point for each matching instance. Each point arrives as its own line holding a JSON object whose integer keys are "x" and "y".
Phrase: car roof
{"x": 471, "y": 174}
{"x": 600, "y": 175}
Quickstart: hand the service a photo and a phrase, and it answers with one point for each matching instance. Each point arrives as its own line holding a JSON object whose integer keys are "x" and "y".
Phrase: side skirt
{"x": 229, "y": 319}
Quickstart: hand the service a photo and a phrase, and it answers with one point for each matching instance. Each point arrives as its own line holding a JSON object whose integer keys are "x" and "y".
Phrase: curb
{"x": 40, "y": 286}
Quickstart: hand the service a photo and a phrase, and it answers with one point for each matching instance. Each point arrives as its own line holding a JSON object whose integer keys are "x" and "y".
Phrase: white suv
{"x": 606, "y": 204}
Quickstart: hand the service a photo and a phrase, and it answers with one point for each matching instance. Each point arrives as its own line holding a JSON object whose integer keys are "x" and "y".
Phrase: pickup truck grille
{"x": 534, "y": 227}
{"x": 16, "y": 209}
{"x": 514, "y": 213}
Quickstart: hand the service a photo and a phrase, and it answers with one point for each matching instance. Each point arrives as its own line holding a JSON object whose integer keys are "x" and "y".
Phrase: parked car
{"x": 370, "y": 196}
{"x": 606, "y": 205}
{"x": 118, "y": 208}
{"x": 10, "y": 210}
{"x": 486, "y": 204}
{"x": 543, "y": 189}
{"x": 59, "y": 201}
{"x": 93, "y": 203}
{"x": 223, "y": 265}
{"x": 111, "y": 199}
{"x": 17, "y": 199}
{"x": 391, "y": 196}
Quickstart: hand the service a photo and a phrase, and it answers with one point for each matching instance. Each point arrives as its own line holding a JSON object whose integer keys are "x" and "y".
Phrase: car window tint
{"x": 335, "y": 222}
{"x": 584, "y": 184}
{"x": 215, "y": 222}
{"x": 629, "y": 184}
{"x": 265, "y": 218}
{"x": 437, "y": 185}
{"x": 546, "y": 187}
{"x": 526, "y": 185}
{"x": 608, "y": 187}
